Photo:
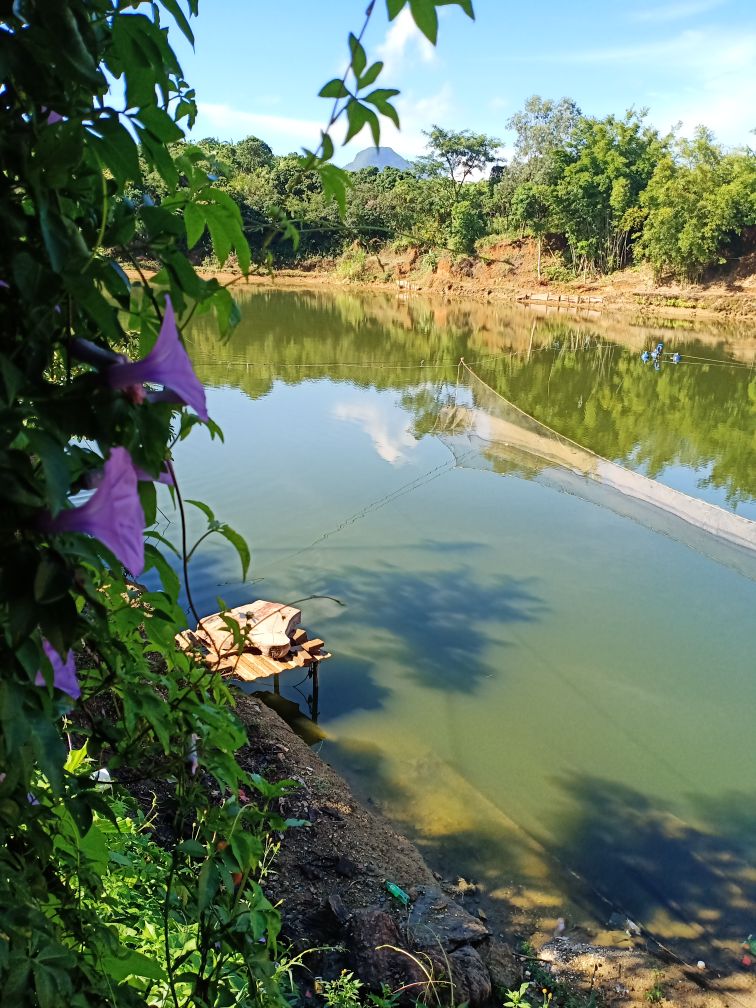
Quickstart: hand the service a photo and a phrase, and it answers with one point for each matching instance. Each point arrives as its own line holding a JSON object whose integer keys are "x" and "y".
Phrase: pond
{"x": 548, "y": 693}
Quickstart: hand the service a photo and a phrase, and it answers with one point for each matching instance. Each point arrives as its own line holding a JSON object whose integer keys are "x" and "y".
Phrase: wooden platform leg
{"x": 314, "y": 673}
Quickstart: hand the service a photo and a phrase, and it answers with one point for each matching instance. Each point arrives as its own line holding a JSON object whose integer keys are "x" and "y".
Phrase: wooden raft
{"x": 214, "y": 642}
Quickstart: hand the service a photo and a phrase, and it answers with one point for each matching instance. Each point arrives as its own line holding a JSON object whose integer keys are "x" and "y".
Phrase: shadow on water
{"x": 689, "y": 886}
{"x": 682, "y": 880}
{"x": 440, "y": 624}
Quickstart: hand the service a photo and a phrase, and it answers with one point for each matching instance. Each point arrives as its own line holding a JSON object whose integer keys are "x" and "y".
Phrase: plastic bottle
{"x": 398, "y": 893}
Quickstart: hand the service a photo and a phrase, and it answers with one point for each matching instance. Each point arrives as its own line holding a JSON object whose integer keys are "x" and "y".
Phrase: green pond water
{"x": 547, "y": 694}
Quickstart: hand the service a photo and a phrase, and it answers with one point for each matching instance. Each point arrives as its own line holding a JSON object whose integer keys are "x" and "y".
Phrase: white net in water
{"x": 491, "y": 433}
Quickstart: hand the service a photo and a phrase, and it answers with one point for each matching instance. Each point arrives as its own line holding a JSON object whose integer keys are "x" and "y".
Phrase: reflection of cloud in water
{"x": 388, "y": 428}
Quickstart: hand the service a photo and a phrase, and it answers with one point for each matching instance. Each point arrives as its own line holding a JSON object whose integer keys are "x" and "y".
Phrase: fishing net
{"x": 484, "y": 430}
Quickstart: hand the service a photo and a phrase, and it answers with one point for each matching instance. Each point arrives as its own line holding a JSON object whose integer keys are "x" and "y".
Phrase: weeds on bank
{"x": 552, "y": 992}
{"x": 656, "y": 991}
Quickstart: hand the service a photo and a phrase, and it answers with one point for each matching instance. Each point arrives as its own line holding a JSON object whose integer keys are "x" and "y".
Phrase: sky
{"x": 258, "y": 66}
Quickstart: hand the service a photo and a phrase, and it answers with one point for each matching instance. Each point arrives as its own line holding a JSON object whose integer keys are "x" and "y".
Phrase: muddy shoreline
{"x": 505, "y": 275}
{"x": 330, "y": 878}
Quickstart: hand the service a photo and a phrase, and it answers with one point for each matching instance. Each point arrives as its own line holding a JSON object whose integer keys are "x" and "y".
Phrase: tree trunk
{"x": 540, "y": 239}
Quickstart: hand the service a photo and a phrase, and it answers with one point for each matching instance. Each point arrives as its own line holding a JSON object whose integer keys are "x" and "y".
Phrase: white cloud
{"x": 404, "y": 41}
{"x": 714, "y": 79}
{"x": 388, "y": 430}
{"x": 674, "y": 11}
{"x": 499, "y": 104}
{"x": 717, "y": 89}
{"x": 283, "y": 133}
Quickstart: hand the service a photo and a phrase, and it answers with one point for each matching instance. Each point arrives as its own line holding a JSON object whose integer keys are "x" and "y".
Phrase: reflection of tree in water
{"x": 615, "y": 405}
{"x": 565, "y": 374}
{"x": 437, "y": 607}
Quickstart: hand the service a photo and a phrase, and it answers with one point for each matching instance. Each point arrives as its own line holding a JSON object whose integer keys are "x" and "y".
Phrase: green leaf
{"x": 425, "y": 17}
{"x": 226, "y": 310}
{"x": 207, "y": 885}
{"x": 76, "y": 758}
{"x": 239, "y": 544}
{"x": 221, "y": 230}
{"x": 246, "y": 848}
{"x": 380, "y": 95}
{"x": 160, "y": 124}
{"x": 193, "y": 848}
{"x": 154, "y": 558}
{"x": 116, "y": 149}
{"x": 393, "y": 7}
{"x": 52, "y": 579}
{"x": 133, "y": 963}
{"x": 466, "y": 6}
{"x": 327, "y": 146}
{"x": 194, "y": 222}
{"x": 359, "y": 59}
{"x": 334, "y": 89}
{"x": 173, "y": 8}
{"x": 370, "y": 75}
{"x": 380, "y": 98}
{"x": 48, "y": 747}
{"x": 357, "y": 116}
{"x": 52, "y": 455}
{"x": 335, "y": 182}
{"x": 204, "y": 508}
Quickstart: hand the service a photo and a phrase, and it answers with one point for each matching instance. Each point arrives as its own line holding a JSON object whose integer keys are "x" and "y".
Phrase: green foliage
{"x": 697, "y": 200}
{"x": 542, "y": 127}
{"x": 656, "y": 991}
{"x": 353, "y": 264}
{"x": 94, "y": 910}
{"x": 343, "y": 992}
{"x": 456, "y": 156}
{"x": 465, "y": 228}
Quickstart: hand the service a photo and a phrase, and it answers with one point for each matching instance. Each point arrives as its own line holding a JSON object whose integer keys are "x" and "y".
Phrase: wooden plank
{"x": 214, "y": 643}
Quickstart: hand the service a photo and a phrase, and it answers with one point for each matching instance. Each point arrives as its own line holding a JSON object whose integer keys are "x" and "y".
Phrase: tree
{"x": 466, "y": 227}
{"x": 542, "y": 127}
{"x": 532, "y": 207}
{"x": 250, "y": 154}
{"x": 457, "y": 156}
{"x": 697, "y": 200}
{"x": 598, "y": 178}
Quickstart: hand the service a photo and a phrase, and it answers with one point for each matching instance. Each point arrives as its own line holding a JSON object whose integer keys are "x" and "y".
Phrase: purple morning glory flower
{"x": 64, "y": 672}
{"x": 167, "y": 364}
{"x": 164, "y": 476}
{"x": 113, "y": 514}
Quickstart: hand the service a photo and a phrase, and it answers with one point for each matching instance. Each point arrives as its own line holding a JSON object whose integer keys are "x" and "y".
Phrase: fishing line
{"x": 205, "y": 359}
{"x": 368, "y": 509}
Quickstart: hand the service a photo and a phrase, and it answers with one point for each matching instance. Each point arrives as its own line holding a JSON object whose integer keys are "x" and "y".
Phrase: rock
{"x": 504, "y": 967}
{"x": 345, "y": 867}
{"x": 339, "y": 911}
{"x": 472, "y": 982}
{"x": 437, "y": 921}
{"x": 369, "y": 930}
{"x": 620, "y": 922}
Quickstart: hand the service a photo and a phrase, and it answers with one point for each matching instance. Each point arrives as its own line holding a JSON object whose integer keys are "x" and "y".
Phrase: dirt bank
{"x": 507, "y": 271}
{"x": 331, "y": 879}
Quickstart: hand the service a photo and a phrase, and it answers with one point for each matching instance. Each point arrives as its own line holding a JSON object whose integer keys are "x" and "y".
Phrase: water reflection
{"x": 531, "y": 684}
{"x": 692, "y": 423}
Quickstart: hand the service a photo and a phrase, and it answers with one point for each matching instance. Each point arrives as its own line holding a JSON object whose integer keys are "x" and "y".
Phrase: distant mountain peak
{"x": 378, "y": 157}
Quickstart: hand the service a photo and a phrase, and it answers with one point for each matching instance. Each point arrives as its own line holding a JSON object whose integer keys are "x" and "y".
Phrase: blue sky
{"x": 258, "y": 67}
